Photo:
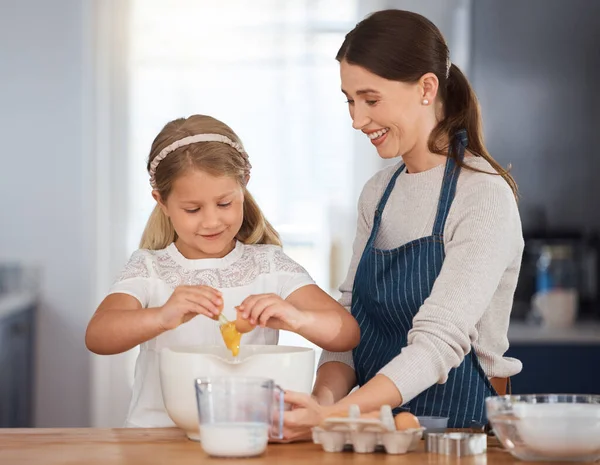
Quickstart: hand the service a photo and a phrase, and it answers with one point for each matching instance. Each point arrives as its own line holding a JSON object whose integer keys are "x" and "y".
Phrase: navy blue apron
{"x": 389, "y": 288}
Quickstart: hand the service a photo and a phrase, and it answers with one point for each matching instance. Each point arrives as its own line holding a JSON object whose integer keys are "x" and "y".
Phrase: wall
{"x": 536, "y": 68}
{"x": 46, "y": 188}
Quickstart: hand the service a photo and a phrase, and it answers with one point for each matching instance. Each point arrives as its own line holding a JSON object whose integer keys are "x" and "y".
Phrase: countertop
{"x": 130, "y": 446}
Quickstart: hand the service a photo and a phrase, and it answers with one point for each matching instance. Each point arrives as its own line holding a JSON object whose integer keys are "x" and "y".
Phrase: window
{"x": 267, "y": 68}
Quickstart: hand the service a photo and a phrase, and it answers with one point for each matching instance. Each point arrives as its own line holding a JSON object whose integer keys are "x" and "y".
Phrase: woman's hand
{"x": 186, "y": 302}
{"x": 304, "y": 415}
{"x": 307, "y": 412}
{"x": 272, "y": 311}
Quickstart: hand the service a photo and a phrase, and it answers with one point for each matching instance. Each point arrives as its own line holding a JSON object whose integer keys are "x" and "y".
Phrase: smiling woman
{"x": 438, "y": 245}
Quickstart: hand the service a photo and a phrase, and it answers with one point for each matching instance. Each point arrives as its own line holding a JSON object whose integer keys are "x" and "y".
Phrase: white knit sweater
{"x": 471, "y": 300}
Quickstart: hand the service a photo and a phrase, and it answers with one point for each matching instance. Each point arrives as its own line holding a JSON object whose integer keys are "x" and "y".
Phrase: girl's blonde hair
{"x": 215, "y": 158}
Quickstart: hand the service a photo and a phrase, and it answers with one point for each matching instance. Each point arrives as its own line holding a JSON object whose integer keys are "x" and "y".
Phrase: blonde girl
{"x": 207, "y": 248}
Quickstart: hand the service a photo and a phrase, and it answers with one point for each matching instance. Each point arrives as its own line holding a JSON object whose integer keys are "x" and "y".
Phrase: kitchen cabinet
{"x": 16, "y": 364}
{"x": 572, "y": 369}
{"x": 556, "y": 361}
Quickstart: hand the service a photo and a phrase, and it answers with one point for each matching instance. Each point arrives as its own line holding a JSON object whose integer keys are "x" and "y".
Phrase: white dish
{"x": 547, "y": 426}
{"x": 560, "y": 429}
{"x": 292, "y": 368}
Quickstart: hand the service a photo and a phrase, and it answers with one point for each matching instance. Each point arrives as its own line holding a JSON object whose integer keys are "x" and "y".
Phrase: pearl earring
{"x": 425, "y": 101}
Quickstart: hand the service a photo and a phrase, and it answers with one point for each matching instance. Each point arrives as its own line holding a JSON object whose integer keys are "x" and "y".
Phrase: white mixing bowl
{"x": 547, "y": 426}
{"x": 292, "y": 368}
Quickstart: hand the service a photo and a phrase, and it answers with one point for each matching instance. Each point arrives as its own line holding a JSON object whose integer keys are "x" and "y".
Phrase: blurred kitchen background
{"x": 86, "y": 84}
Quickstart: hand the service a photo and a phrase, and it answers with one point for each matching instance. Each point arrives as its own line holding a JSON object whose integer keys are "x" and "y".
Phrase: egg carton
{"x": 366, "y": 435}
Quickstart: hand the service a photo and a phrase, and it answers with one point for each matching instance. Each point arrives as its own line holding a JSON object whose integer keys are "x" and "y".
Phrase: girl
{"x": 206, "y": 247}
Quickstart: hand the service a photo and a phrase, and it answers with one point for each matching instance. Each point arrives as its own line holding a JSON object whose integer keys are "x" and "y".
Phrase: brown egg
{"x": 406, "y": 420}
{"x": 243, "y": 326}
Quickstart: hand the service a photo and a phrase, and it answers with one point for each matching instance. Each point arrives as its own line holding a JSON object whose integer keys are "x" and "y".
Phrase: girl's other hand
{"x": 270, "y": 310}
{"x": 186, "y": 302}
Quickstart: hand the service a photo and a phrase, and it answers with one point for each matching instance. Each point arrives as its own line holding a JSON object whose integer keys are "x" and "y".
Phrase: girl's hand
{"x": 188, "y": 301}
{"x": 272, "y": 311}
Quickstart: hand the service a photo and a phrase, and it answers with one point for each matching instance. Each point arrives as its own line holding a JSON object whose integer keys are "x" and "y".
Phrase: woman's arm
{"x": 485, "y": 238}
{"x": 380, "y": 390}
{"x": 307, "y": 412}
{"x": 334, "y": 381}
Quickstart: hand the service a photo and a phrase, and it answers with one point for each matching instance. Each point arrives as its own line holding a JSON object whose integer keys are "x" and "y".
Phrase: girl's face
{"x": 207, "y": 213}
{"x": 390, "y": 113}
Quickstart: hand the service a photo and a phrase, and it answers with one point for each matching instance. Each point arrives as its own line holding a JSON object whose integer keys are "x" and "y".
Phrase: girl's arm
{"x": 120, "y": 323}
{"x": 327, "y": 323}
{"x": 309, "y": 312}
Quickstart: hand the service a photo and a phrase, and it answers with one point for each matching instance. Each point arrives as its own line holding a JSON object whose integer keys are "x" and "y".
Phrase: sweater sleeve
{"x": 483, "y": 240}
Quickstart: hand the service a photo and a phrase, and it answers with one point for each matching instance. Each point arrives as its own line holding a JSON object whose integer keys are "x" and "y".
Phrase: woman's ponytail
{"x": 462, "y": 111}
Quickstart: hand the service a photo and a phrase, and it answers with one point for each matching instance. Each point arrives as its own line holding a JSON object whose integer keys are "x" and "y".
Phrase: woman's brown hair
{"x": 403, "y": 46}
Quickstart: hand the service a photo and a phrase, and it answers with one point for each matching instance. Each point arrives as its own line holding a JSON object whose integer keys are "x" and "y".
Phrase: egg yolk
{"x": 231, "y": 337}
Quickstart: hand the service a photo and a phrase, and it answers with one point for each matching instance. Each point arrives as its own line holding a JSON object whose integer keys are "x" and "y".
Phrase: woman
{"x": 438, "y": 245}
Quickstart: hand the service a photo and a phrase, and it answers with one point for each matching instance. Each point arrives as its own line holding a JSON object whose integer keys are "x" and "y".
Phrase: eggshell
{"x": 242, "y": 325}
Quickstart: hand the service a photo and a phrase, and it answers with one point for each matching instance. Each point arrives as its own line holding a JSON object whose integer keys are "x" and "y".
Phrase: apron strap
{"x": 451, "y": 173}
{"x": 381, "y": 205}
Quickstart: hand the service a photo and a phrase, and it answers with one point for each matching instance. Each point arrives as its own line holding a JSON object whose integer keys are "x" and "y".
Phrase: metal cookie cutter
{"x": 456, "y": 444}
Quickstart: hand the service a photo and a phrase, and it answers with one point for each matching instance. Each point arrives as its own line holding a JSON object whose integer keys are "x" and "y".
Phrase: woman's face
{"x": 390, "y": 113}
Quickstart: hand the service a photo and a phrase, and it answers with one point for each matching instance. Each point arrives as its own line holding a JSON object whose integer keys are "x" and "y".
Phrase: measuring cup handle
{"x": 277, "y": 421}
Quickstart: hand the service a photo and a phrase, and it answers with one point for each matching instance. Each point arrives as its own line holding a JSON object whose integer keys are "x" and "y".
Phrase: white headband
{"x": 192, "y": 140}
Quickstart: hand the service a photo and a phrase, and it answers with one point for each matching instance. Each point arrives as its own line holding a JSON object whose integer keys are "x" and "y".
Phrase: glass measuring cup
{"x": 236, "y": 415}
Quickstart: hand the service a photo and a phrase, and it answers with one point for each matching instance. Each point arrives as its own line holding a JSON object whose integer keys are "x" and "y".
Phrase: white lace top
{"x": 151, "y": 276}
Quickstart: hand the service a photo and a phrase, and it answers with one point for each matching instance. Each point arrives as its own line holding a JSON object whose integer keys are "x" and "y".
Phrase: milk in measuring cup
{"x": 234, "y": 439}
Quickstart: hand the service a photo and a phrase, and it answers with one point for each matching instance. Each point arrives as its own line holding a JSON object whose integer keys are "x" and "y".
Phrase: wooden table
{"x": 165, "y": 446}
